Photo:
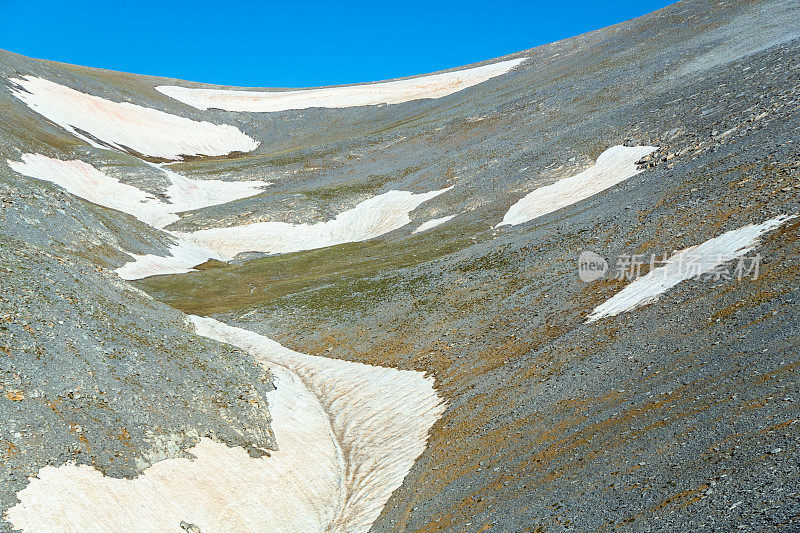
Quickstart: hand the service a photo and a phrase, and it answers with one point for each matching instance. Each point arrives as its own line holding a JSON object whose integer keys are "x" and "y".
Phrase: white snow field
{"x": 686, "y": 264}
{"x": 125, "y": 126}
{"x": 347, "y": 433}
{"x": 371, "y": 218}
{"x": 428, "y": 224}
{"x": 385, "y": 92}
{"x": 182, "y": 258}
{"x": 613, "y": 166}
{"x": 85, "y": 181}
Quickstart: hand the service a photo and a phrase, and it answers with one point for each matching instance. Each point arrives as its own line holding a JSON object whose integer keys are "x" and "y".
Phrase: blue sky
{"x": 294, "y": 44}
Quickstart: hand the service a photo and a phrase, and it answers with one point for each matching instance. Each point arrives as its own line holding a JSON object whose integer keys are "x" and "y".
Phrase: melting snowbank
{"x": 371, "y": 218}
{"x": 348, "y": 434}
{"x": 613, "y": 166}
{"x": 182, "y": 257}
{"x": 387, "y": 92}
{"x": 428, "y": 224}
{"x": 186, "y": 194}
{"x": 125, "y": 126}
{"x": 381, "y": 417}
{"x": 87, "y": 182}
{"x": 690, "y": 263}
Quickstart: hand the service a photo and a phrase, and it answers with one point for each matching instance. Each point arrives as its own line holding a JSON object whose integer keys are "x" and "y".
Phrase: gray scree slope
{"x": 678, "y": 415}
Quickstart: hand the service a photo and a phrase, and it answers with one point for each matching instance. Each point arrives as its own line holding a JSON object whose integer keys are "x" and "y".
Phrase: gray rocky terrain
{"x": 679, "y": 415}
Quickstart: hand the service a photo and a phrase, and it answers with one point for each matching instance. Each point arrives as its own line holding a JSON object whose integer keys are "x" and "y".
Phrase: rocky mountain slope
{"x": 444, "y": 364}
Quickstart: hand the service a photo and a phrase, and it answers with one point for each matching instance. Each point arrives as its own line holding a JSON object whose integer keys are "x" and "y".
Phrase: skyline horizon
{"x": 365, "y": 56}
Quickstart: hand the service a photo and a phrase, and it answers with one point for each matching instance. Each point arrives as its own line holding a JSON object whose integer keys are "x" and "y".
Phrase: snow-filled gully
{"x": 347, "y": 433}
{"x": 371, "y": 218}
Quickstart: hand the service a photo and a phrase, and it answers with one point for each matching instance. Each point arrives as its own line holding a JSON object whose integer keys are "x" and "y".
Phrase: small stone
{"x": 191, "y": 528}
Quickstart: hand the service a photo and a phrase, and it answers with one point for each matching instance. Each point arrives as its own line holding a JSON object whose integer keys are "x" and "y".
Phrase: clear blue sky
{"x": 294, "y": 44}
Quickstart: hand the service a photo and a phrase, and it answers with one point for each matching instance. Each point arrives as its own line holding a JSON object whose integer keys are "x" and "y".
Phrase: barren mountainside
{"x": 558, "y": 290}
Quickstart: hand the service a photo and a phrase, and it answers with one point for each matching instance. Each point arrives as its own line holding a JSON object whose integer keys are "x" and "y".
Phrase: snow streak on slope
{"x": 85, "y": 181}
{"x": 347, "y": 433}
{"x": 428, "y": 224}
{"x": 183, "y": 257}
{"x": 689, "y": 263}
{"x": 387, "y": 92}
{"x": 613, "y": 166}
{"x": 125, "y": 126}
{"x": 186, "y": 194}
{"x": 371, "y": 218}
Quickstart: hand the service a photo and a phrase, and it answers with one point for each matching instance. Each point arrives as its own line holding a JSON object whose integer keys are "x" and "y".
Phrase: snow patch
{"x": 186, "y": 194}
{"x": 347, "y": 433}
{"x": 428, "y": 224}
{"x": 381, "y": 417}
{"x": 613, "y": 166}
{"x": 182, "y": 257}
{"x": 686, "y": 264}
{"x": 369, "y": 219}
{"x": 387, "y": 92}
{"x": 87, "y": 182}
{"x": 127, "y": 126}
